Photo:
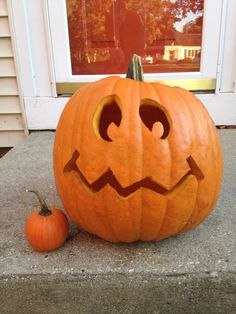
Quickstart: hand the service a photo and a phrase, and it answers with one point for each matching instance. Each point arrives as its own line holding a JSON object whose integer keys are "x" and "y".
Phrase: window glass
{"x": 104, "y": 34}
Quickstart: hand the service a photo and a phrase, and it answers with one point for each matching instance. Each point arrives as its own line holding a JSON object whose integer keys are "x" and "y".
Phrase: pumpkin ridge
{"x": 213, "y": 139}
{"x": 107, "y": 203}
{"x": 157, "y": 88}
{"x": 181, "y": 94}
{"x": 38, "y": 223}
{"x": 132, "y": 96}
{"x": 152, "y": 91}
{"x": 78, "y": 136}
{"x": 148, "y": 91}
{"x": 194, "y": 220}
{"x": 142, "y": 198}
{"x": 58, "y": 241}
{"x": 216, "y": 153}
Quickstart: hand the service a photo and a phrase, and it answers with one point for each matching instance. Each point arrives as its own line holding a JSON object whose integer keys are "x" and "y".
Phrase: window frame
{"x": 212, "y": 26}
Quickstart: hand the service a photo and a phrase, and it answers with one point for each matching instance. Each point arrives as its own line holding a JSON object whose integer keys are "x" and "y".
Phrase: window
{"x": 104, "y": 35}
{"x": 83, "y": 51}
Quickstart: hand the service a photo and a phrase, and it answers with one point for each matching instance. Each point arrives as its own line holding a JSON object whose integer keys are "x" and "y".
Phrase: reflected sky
{"x": 190, "y": 17}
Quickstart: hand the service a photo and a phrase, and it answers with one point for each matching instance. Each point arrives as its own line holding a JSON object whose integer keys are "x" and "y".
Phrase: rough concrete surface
{"x": 190, "y": 273}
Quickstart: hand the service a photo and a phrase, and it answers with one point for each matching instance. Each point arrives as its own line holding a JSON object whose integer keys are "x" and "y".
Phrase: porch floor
{"x": 190, "y": 273}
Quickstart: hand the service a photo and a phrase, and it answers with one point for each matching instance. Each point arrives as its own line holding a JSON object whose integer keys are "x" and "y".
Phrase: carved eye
{"x": 107, "y": 113}
{"x": 154, "y": 118}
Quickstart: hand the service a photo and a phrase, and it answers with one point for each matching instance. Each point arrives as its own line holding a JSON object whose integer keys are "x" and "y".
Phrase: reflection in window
{"x": 104, "y": 34}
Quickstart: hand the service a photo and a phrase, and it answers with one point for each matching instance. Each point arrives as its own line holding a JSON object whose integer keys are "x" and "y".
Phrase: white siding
{"x": 3, "y": 8}
{"x": 9, "y": 104}
{"x": 10, "y": 122}
{"x": 12, "y": 128}
{"x": 11, "y": 138}
{"x": 8, "y": 86}
{"x": 7, "y": 67}
{"x": 4, "y": 27}
{"x": 5, "y": 47}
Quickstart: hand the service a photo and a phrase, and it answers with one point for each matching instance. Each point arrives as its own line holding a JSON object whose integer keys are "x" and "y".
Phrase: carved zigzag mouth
{"x": 109, "y": 178}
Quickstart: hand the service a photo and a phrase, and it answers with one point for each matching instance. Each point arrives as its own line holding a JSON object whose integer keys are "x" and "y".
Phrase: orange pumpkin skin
{"x": 123, "y": 181}
{"x": 46, "y": 233}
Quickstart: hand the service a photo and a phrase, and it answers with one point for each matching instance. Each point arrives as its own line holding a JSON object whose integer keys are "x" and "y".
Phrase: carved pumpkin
{"x": 135, "y": 160}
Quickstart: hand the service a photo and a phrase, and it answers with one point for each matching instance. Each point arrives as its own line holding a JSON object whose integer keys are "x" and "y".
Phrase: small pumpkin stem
{"x": 44, "y": 210}
{"x": 135, "y": 70}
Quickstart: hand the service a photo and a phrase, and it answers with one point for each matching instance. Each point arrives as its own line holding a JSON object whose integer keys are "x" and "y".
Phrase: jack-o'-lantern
{"x": 136, "y": 160}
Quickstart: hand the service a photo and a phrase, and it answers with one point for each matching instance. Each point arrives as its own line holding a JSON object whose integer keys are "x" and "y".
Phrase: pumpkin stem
{"x": 44, "y": 210}
{"x": 135, "y": 70}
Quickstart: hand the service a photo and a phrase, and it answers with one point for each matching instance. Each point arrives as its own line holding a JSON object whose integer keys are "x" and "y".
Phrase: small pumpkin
{"x": 136, "y": 160}
{"x": 46, "y": 229}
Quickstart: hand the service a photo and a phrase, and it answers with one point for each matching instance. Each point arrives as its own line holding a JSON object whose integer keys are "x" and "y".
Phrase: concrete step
{"x": 189, "y": 273}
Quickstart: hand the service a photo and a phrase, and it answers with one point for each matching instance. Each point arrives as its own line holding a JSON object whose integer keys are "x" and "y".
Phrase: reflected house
{"x": 183, "y": 46}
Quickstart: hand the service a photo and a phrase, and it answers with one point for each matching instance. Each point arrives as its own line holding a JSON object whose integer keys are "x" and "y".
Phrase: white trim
{"x": 61, "y": 51}
{"x": 221, "y": 107}
{"x": 60, "y": 38}
{"x": 48, "y": 39}
{"x": 211, "y": 36}
{"x": 227, "y": 77}
{"x": 44, "y": 112}
{"x": 222, "y": 36}
{"x": 33, "y": 49}
{"x": 23, "y": 51}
